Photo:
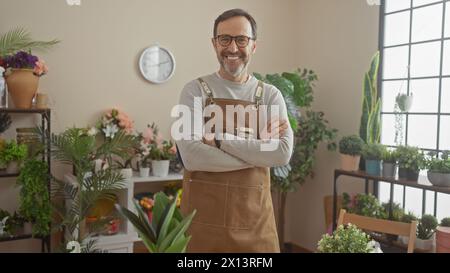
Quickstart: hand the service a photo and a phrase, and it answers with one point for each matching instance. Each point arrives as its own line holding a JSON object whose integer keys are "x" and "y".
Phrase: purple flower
{"x": 21, "y": 60}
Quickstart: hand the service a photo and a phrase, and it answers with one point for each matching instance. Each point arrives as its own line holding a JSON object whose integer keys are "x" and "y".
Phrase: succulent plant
{"x": 351, "y": 145}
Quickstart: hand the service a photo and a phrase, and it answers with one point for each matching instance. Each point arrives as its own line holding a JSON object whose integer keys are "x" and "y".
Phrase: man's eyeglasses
{"x": 241, "y": 40}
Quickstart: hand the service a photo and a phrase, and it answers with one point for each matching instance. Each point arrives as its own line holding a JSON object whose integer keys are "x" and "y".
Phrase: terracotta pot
{"x": 443, "y": 240}
{"x": 349, "y": 162}
{"x": 22, "y": 86}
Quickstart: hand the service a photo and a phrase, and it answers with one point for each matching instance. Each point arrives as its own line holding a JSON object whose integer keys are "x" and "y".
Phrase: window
{"x": 415, "y": 47}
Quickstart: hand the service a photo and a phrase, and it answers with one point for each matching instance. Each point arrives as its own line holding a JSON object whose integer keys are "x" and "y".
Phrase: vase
{"x": 22, "y": 86}
{"x": 144, "y": 172}
{"x": 443, "y": 239}
{"x": 13, "y": 167}
{"x": 425, "y": 245}
{"x": 160, "y": 167}
{"x": 373, "y": 167}
{"x": 349, "y": 162}
{"x": 439, "y": 179}
{"x": 389, "y": 169}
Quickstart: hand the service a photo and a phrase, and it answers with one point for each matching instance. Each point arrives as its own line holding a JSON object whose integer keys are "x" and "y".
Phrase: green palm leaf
{"x": 20, "y": 39}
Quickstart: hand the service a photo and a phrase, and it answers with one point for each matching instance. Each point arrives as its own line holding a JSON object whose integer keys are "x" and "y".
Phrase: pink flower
{"x": 148, "y": 135}
{"x": 40, "y": 68}
{"x": 159, "y": 140}
{"x": 173, "y": 150}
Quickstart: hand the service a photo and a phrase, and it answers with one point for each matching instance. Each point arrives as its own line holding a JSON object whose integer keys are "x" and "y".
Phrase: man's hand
{"x": 275, "y": 129}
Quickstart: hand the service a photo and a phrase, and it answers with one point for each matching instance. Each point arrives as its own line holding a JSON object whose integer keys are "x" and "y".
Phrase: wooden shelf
{"x": 5, "y": 174}
{"x": 25, "y": 111}
{"x": 15, "y": 237}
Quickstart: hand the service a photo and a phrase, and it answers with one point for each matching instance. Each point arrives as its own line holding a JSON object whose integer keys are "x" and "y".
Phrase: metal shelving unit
{"x": 46, "y": 126}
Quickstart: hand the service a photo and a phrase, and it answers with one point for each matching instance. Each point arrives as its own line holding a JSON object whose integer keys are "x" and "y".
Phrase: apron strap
{"x": 206, "y": 89}
{"x": 259, "y": 93}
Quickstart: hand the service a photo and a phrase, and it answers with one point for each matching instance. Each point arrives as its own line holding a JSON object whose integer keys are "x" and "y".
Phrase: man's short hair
{"x": 235, "y": 13}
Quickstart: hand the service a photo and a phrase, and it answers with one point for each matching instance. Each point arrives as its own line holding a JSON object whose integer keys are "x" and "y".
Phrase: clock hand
{"x": 158, "y": 64}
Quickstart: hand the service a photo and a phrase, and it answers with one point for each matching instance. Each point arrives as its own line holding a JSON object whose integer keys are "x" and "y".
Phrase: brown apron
{"x": 234, "y": 209}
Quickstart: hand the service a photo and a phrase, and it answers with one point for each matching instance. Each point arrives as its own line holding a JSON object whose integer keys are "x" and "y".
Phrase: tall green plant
{"x": 166, "y": 232}
{"x": 370, "y": 127}
{"x": 20, "y": 39}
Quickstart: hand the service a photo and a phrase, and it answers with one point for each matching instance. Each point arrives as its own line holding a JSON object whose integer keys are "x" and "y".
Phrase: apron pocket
{"x": 243, "y": 206}
{"x": 209, "y": 201}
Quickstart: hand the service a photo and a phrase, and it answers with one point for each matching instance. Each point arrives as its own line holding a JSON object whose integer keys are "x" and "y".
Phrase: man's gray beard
{"x": 238, "y": 71}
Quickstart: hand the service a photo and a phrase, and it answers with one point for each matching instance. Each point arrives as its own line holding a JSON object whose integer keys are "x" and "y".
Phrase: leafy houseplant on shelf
{"x": 161, "y": 152}
{"x": 34, "y": 196}
{"x": 362, "y": 204}
{"x": 407, "y": 218}
{"x": 439, "y": 169}
{"x": 347, "y": 239}
{"x": 425, "y": 232}
{"x": 373, "y": 154}
{"x": 311, "y": 129}
{"x": 410, "y": 161}
{"x": 165, "y": 232}
{"x": 389, "y": 163}
{"x": 443, "y": 236}
{"x": 12, "y": 155}
{"x": 350, "y": 148}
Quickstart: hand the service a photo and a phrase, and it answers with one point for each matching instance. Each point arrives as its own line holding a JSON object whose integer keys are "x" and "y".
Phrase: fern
{"x": 20, "y": 39}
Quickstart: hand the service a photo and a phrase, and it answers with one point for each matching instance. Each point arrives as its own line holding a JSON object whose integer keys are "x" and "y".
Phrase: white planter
{"x": 160, "y": 167}
{"x": 127, "y": 173}
{"x": 426, "y": 245}
{"x": 144, "y": 172}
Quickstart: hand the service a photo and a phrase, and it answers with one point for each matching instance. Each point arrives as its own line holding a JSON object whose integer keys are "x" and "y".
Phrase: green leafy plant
{"x": 346, "y": 239}
{"x": 390, "y": 156}
{"x": 78, "y": 147}
{"x": 439, "y": 165}
{"x": 373, "y": 151}
{"x": 13, "y": 223}
{"x": 370, "y": 125}
{"x": 13, "y": 152}
{"x": 408, "y": 217}
{"x": 20, "y": 39}
{"x": 351, "y": 145}
{"x": 426, "y": 227}
{"x": 445, "y": 222}
{"x": 362, "y": 204}
{"x": 397, "y": 211}
{"x": 410, "y": 158}
{"x": 166, "y": 232}
{"x": 34, "y": 197}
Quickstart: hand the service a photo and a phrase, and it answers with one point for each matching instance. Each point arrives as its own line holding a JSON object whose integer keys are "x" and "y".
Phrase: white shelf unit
{"x": 123, "y": 242}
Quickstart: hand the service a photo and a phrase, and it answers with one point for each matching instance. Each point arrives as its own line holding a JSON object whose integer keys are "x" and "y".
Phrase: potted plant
{"x": 161, "y": 152}
{"x": 407, "y": 218}
{"x": 410, "y": 161}
{"x": 350, "y": 148}
{"x": 34, "y": 196}
{"x": 443, "y": 236}
{"x": 439, "y": 170}
{"x": 12, "y": 155}
{"x": 372, "y": 154}
{"x": 425, "y": 232}
{"x": 404, "y": 102}
{"x": 362, "y": 204}
{"x": 347, "y": 239}
{"x": 143, "y": 152}
{"x": 389, "y": 163}
{"x": 165, "y": 232}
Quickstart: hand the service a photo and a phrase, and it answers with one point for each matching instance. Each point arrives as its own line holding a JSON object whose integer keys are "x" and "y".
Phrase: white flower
{"x": 110, "y": 130}
{"x": 92, "y": 132}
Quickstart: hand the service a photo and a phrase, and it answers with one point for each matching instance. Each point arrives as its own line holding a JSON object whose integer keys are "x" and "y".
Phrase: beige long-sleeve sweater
{"x": 233, "y": 154}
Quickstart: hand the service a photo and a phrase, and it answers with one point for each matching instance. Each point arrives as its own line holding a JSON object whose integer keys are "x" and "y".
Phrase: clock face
{"x": 157, "y": 64}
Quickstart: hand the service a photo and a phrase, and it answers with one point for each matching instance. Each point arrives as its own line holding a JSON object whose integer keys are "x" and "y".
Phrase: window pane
{"x": 446, "y": 62}
{"x": 383, "y": 192}
{"x": 422, "y": 131}
{"x": 426, "y": 59}
{"x": 413, "y": 202}
{"x": 427, "y": 23}
{"x": 417, "y": 3}
{"x": 429, "y": 206}
{"x": 390, "y": 91}
{"x": 444, "y": 138}
{"x": 445, "y": 97}
{"x": 447, "y": 19}
{"x": 392, "y": 125}
{"x": 394, "y": 5}
{"x": 397, "y": 28}
{"x": 443, "y": 205}
{"x": 425, "y": 95}
{"x": 395, "y": 64}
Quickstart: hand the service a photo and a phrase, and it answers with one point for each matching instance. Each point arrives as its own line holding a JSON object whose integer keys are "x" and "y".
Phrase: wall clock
{"x": 157, "y": 64}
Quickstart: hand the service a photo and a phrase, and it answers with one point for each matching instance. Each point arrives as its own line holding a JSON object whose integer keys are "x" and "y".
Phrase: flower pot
{"x": 22, "y": 86}
{"x": 373, "y": 167}
{"x": 439, "y": 179}
{"x": 389, "y": 169}
{"x": 127, "y": 173}
{"x": 144, "y": 172}
{"x": 349, "y": 162}
{"x": 408, "y": 103}
{"x": 411, "y": 175}
{"x": 13, "y": 167}
{"x": 443, "y": 240}
{"x": 425, "y": 245}
{"x": 160, "y": 167}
